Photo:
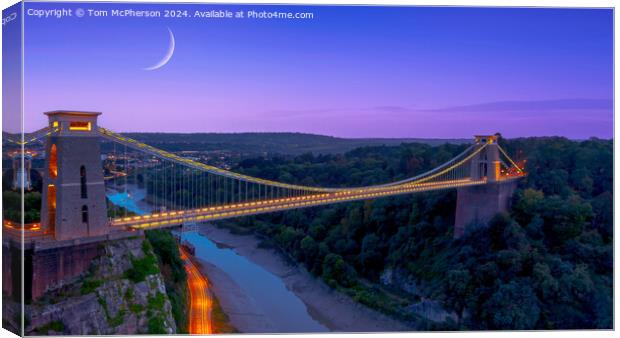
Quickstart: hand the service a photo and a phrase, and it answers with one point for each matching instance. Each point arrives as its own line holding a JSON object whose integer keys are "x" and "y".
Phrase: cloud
{"x": 532, "y": 106}
{"x": 393, "y": 109}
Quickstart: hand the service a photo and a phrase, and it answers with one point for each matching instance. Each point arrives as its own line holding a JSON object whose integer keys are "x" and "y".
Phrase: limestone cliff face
{"x": 123, "y": 293}
{"x": 426, "y": 307}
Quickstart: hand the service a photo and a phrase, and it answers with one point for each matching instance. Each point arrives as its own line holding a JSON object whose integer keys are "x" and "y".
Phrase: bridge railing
{"x": 257, "y": 207}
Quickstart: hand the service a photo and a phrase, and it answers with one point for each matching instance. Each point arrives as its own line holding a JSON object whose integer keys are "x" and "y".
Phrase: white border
{"x": 487, "y": 3}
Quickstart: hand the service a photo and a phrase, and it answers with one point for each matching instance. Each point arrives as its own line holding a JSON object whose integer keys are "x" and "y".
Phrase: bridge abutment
{"x": 73, "y": 212}
{"x": 50, "y": 264}
{"x": 476, "y": 205}
{"x": 54, "y": 267}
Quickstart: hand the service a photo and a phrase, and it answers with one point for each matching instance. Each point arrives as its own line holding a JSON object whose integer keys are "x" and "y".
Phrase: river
{"x": 282, "y": 308}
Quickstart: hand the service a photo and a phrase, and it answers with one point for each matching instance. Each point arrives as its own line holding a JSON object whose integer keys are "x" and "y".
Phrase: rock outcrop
{"x": 425, "y": 307}
{"x": 122, "y": 293}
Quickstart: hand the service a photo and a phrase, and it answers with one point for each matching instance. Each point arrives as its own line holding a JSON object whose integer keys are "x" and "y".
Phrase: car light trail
{"x": 200, "y": 300}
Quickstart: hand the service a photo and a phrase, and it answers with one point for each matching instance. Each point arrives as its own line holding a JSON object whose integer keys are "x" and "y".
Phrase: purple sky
{"x": 349, "y": 72}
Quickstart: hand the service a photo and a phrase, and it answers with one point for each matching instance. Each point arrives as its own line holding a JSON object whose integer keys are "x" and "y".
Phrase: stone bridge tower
{"x": 476, "y": 205}
{"x": 74, "y": 202}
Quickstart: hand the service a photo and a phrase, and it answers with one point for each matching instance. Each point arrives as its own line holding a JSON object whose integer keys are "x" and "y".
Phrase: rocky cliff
{"x": 426, "y": 308}
{"x": 123, "y": 292}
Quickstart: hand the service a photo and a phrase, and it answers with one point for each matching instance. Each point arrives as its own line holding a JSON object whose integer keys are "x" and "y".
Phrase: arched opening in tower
{"x": 53, "y": 165}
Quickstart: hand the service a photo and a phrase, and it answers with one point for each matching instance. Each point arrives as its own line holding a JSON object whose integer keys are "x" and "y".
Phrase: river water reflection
{"x": 284, "y": 310}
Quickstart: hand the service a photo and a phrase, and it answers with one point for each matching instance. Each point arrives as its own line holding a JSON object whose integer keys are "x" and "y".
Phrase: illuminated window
{"x": 83, "y": 190}
{"x": 51, "y": 206}
{"x": 53, "y": 165}
{"x": 55, "y": 124}
{"x": 79, "y": 126}
{"x": 85, "y": 214}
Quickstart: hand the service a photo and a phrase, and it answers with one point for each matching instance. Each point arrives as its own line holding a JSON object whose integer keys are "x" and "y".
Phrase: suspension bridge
{"x": 78, "y": 179}
{"x": 181, "y": 190}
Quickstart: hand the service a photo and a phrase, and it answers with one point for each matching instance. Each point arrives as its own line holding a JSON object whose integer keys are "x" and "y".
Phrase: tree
{"x": 602, "y": 207}
{"x": 582, "y": 181}
{"x": 528, "y": 203}
{"x": 547, "y": 264}
{"x": 546, "y": 285}
{"x": 577, "y": 284}
{"x": 336, "y": 271}
{"x": 513, "y": 306}
{"x": 309, "y": 250}
{"x": 564, "y": 219}
{"x": 287, "y": 237}
{"x": 370, "y": 256}
{"x": 457, "y": 291}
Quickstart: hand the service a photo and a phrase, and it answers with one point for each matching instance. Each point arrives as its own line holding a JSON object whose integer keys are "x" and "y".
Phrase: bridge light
{"x": 79, "y": 126}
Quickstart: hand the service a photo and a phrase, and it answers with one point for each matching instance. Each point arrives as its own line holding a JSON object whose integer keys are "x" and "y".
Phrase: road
{"x": 200, "y": 298}
{"x": 174, "y": 218}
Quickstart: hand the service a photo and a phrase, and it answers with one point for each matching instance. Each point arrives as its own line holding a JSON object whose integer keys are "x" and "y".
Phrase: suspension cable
{"x": 509, "y": 159}
{"x": 229, "y": 174}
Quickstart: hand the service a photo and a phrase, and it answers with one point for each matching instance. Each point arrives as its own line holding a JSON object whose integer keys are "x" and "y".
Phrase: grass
{"x": 55, "y": 325}
{"x": 380, "y": 299}
{"x": 128, "y": 296}
{"x": 156, "y": 303}
{"x": 166, "y": 249}
{"x": 220, "y": 320}
{"x": 155, "y": 325}
{"x": 142, "y": 267}
{"x": 136, "y": 308}
{"x": 112, "y": 321}
{"x": 89, "y": 285}
{"x": 118, "y": 319}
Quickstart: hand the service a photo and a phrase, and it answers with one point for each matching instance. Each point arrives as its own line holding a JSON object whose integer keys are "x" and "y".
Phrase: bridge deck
{"x": 175, "y": 218}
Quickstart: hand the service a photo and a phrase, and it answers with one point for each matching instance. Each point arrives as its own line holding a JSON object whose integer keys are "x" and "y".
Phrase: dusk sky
{"x": 349, "y": 72}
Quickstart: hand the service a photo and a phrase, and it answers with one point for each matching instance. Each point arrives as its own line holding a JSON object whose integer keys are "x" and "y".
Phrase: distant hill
{"x": 281, "y": 143}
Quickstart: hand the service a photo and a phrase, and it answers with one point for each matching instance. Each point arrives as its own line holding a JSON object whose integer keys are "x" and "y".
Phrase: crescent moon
{"x": 166, "y": 57}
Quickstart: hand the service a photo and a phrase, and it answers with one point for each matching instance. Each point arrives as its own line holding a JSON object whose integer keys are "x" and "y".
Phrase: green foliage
{"x": 156, "y": 303}
{"x": 336, "y": 271}
{"x": 457, "y": 290}
{"x": 136, "y": 308}
{"x": 547, "y": 264}
{"x": 370, "y": 256}
{"x": 116, "y": 210}
{"x": 219, "y": 319}
{"x": 89, "y": 285}
{"x": 175, "y": 278}
{"x": 112, "y": 321}
{"x": 167, "y": 250}
{"x": 128, "y": 295}
{"x": 155, "y": 325}
{"x": 56, "y": 326}
{"x": 142, "y": 267}
{"x": 12, "y": 206}
{"x": 103, "y": 303}
{"x": 118, "y": 319}
{"x": 273, "y": 143}
{"x": 507, "y": 307}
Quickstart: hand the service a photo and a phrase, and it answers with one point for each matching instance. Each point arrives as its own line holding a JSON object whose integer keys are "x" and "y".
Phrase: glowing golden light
{"x": 53, "y": 165}
{"x": 200, "y": 299}
{"x": 51, "y": 206}
{"x": 79, "y": 126}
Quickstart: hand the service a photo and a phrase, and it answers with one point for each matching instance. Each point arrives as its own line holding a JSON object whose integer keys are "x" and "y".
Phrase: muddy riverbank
{"x": 333, "y": 310}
